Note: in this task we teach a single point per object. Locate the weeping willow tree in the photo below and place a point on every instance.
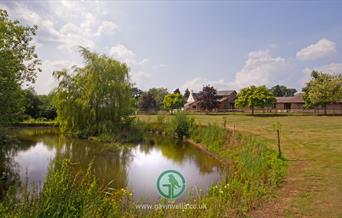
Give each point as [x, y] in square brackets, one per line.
[93, 99]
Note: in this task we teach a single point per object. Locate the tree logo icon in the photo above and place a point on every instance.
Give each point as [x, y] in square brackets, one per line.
[171, 184]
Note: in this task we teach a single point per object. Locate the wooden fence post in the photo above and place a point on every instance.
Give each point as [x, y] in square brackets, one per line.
[278, 137]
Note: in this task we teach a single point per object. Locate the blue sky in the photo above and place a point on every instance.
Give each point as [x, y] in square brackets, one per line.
[188, 44]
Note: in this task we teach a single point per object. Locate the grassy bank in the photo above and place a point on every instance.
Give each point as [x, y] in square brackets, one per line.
[32, 123]
[313, 146]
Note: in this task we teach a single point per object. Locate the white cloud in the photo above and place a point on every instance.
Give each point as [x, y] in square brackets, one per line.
[106, 27]
[45, 81]
[332, 68]
[69, 24]
[335, 68]
[140, 78]
[262, 69]
[73, 36]
[322, 48]
[197, 84]
[123, 54]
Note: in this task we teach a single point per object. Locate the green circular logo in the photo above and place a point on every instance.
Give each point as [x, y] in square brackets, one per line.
[171, 184]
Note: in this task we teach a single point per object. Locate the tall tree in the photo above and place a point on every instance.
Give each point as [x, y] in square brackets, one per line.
[136, 93]
[186, 94]
[46, 109]
[323, 89]
[158, 95]
[32, 103]
[94, 99]
[147, 102]
[253, 96]
[207, 98]
[282, 91]
[173, 101]
[176, 91]
[18, 65]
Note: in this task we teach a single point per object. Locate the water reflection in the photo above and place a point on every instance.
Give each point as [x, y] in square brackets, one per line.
[133, 167]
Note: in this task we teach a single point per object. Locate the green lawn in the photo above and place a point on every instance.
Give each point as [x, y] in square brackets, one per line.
[313, 145]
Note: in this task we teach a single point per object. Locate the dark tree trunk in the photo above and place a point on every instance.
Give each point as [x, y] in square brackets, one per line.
[252, 110]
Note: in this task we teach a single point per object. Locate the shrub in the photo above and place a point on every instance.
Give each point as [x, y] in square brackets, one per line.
[181, 125]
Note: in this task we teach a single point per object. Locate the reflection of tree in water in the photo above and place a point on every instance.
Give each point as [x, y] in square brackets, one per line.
[181, 151]
[108, 166]
[48, 136]
[9, 146]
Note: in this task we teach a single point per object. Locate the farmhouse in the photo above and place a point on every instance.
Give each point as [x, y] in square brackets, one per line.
[287, 104]
[225, 98]
[292, 104]
[296, 104]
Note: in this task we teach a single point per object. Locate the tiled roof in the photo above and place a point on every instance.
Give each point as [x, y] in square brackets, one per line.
[298, 98]
[225, 92]
[218, 93]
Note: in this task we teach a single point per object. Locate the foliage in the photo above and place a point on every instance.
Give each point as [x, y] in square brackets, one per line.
[158, 95]
[282, 91]
[46, 109]
[94, 99]
[147, 102]
[38, 106]
[177, 91]
[173, 101]
[212, 136]
[253, 96]
[181, 125]
[136, 93]
[186, 93]
[67, 194]
[207, 98]
[323, 89]
[18, 64]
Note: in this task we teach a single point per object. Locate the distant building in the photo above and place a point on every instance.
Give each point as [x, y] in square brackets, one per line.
[296, 104]
[290, 103]
[226, 101]
[293, 104]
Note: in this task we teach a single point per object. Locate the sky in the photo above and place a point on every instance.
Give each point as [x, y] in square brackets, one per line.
[188, 44]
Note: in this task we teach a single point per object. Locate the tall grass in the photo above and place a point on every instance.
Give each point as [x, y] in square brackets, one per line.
[211, 136]
[67, 194]
[256, 171]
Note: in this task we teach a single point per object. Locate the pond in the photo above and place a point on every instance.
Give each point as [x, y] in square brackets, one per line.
[135, 167]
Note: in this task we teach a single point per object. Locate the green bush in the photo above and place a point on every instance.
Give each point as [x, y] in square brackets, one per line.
[181, 125]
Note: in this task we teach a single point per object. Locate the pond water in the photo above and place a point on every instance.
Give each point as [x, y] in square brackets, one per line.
[135, 167]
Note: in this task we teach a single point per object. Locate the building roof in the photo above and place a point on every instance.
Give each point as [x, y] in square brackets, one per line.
[218, 93]
[225, 92]
[298, 98]
[222, 99]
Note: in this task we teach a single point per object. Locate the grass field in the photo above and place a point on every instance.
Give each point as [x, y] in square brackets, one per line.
[313, 147]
